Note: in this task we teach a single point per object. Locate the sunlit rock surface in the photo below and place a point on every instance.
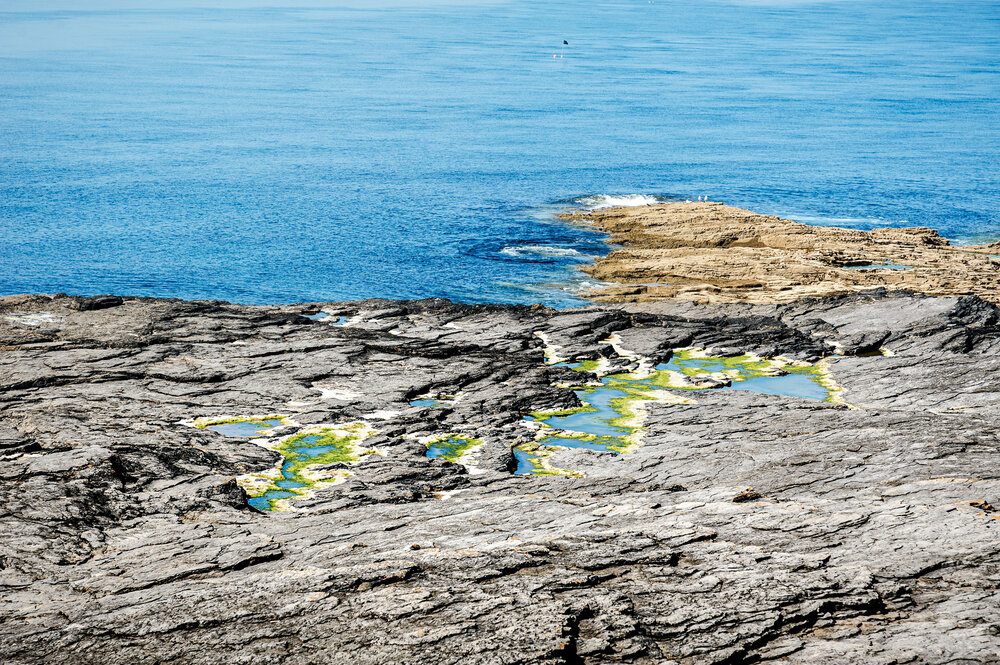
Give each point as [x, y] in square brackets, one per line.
[863, 530]
[713, 253]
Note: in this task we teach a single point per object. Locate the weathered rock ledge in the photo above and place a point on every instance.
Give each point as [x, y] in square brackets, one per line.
[709, 252]
[869, 537]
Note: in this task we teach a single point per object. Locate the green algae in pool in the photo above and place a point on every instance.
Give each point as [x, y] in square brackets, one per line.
[452, 447]
[246, 429]
[427, 402]
[528, 462]
[433, 401]
[607, 422]
[611, 416]
[531, 460]
[749, 373]
[298, 474]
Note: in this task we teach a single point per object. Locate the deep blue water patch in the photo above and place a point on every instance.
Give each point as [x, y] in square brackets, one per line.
[333, 151]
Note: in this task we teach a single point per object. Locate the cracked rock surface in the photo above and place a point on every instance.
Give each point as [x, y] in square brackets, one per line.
[714, 253]
[870, 535]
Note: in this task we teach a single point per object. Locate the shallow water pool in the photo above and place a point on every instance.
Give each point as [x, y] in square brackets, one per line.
[427, 402]
[245, 429]
[790, 385]
[453, 448]
[611, 413]
[303, 453]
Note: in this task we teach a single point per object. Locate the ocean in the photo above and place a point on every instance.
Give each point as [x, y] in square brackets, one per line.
[268, 152]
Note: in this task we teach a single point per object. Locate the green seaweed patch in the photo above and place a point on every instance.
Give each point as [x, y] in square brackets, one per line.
[299, 475]
[616, 443]
[558, 413]
[537, 456]
[343, 450]
[586, 366]
[262, 421]
[689, 365]
[452, 447]
[622, 376]
[689, 369]
[630, 416]
[688, 354]
[657, 379]
[823, 375]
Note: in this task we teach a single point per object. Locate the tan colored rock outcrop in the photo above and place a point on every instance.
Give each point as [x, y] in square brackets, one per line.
[711, 252]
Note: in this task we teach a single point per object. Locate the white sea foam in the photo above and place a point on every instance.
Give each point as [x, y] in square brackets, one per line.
[539, 250]
[615, 201]
[574, 286]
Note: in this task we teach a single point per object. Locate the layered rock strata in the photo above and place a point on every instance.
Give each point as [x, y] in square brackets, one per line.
[743, 528]
[713, 253]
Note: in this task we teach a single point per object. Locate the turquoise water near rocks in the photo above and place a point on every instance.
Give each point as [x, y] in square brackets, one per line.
[792, 384]
[603, 404]
[433, 403]
[304, 449]
[452, 448]
[246, 429]
[338, 150]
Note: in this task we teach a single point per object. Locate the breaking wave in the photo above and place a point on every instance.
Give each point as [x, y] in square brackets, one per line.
[534, 251]
[601, 201]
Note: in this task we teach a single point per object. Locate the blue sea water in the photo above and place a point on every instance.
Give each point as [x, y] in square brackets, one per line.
[411, 148]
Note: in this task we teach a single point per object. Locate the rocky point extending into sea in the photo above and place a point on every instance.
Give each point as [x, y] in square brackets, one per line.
[807, 480]
[710, 252]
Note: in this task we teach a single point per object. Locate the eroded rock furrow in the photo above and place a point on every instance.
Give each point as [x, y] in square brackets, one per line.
[443, 483]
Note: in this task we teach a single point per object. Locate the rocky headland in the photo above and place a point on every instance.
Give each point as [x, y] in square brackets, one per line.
[713, 253]
[425, 482]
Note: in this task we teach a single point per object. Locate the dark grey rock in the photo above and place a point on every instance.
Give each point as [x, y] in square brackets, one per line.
[124, 537]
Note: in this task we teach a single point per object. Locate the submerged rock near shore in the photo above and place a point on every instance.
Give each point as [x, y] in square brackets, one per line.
[426, 482]
[713, 253]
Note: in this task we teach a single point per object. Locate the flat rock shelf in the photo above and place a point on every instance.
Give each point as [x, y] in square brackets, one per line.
[713, 253]
[429, 483]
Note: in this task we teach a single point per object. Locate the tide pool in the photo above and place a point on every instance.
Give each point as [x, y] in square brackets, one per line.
[611, 417]
[312, 459]
[245, 429]
[455, 448]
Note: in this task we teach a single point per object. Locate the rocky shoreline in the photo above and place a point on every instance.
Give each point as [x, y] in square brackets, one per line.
[441, 520]
[713, 253]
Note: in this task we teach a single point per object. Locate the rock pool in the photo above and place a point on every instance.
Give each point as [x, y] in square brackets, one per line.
[315, 457]
[612, 414]
[452, 447]
[247, 429]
